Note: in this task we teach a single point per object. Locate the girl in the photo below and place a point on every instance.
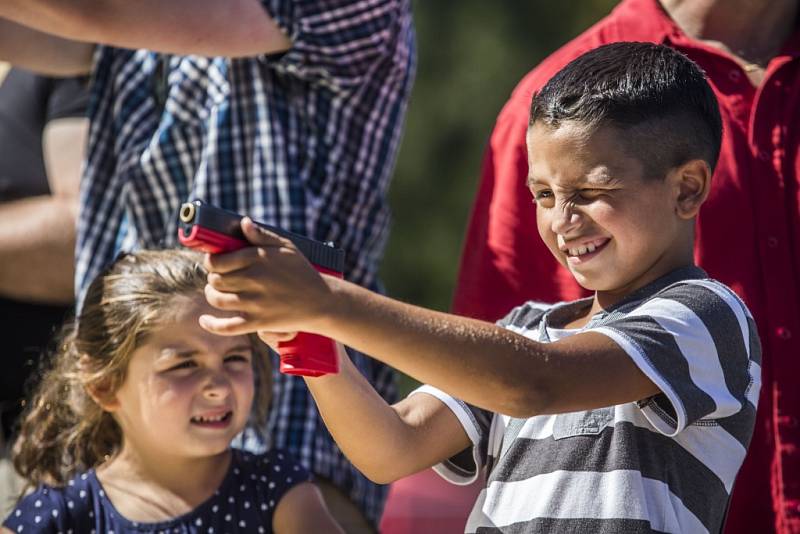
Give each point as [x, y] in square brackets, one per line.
[130, 429]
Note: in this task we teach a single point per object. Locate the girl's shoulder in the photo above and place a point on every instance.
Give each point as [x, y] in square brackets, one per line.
[69, 508]
[270, 474]
[246, 500]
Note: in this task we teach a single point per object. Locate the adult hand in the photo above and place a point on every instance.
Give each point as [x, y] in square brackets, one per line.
[271, 286]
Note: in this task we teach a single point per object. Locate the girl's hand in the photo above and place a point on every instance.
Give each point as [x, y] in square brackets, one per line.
[271, 285]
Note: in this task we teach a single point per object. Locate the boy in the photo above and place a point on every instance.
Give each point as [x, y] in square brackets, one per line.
[629, 411]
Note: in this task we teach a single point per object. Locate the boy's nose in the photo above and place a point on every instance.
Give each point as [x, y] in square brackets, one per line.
[565, 219]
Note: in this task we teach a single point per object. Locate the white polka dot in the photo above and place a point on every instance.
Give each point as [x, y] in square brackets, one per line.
[91, 513]
[82, 494]
[271, 503]
[253, 476]
[280, 456]
[19, 528]
[260, 530]
[271, 485]
[37, 519]
[236, 470]
[263, 478]
[83, 476]
[231, 500]
[242, 487]
[210, 530]
[227, 517]
[199, 522]
[263, 506]
[288, 480]
[102, 493]
[242, 524]
[296, 468]
[38, 503]
[70, 504]
[277, 468]
[18, 513]
[55, 513]
[247, 504]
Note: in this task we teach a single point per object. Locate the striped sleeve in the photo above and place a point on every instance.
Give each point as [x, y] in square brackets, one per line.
[697, 342]
[338, 42]
[476, 423]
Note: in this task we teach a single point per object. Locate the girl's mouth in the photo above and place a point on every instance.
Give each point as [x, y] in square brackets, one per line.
[213, 421]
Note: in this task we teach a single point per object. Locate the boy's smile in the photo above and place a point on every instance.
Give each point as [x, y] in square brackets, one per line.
[613, 228]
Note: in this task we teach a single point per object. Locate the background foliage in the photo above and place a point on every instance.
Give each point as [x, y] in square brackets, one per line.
[471, 54]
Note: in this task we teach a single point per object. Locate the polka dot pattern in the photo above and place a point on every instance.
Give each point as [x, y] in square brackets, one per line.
[244, 502]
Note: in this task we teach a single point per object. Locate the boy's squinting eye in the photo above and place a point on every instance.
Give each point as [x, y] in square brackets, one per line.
[544, 198]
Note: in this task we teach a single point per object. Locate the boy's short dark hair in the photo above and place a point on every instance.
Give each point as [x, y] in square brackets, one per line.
[657, 97]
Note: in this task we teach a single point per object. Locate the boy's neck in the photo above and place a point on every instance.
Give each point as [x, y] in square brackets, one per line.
[147, 488]
[751, 30]
[604, 300]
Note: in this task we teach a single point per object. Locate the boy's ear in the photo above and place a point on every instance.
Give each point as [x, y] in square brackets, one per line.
[101, 393]
[692, 182]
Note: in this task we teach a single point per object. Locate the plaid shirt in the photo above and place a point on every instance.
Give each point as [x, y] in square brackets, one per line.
[304, 140]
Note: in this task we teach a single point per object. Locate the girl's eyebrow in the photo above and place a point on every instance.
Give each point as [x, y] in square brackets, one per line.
[170, 352]
[246, 347]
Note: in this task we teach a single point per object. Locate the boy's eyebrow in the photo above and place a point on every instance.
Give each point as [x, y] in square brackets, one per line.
[601, 177]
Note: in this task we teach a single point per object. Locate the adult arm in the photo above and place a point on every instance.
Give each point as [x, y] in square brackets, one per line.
[199, 27]
[37, 234]
[275, 289]
[43, 53]
[302, 511]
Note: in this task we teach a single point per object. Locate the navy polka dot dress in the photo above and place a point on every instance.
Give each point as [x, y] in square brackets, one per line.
[244, 502]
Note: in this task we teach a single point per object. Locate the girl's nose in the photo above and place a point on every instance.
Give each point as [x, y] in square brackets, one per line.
[217, 386]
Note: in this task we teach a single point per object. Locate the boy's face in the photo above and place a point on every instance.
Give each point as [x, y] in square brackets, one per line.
[614, 229]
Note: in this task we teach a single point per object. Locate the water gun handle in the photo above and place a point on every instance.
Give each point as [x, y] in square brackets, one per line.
[210, 229]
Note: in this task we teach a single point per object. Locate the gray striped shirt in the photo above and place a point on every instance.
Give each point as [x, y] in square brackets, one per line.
[664, 464]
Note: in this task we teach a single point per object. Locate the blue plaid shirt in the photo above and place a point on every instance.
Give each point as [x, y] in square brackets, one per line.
[305, 140]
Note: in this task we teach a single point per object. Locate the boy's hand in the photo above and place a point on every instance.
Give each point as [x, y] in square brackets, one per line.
[271, 285]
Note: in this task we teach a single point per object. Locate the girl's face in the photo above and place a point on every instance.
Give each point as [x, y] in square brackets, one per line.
[187, 392]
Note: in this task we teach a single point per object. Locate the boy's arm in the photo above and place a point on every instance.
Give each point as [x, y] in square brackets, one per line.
[275, 289]
[385, 442]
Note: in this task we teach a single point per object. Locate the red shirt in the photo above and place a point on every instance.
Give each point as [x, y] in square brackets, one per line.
[748, 236]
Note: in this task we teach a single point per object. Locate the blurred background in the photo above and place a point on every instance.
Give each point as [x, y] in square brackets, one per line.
[471, 54]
